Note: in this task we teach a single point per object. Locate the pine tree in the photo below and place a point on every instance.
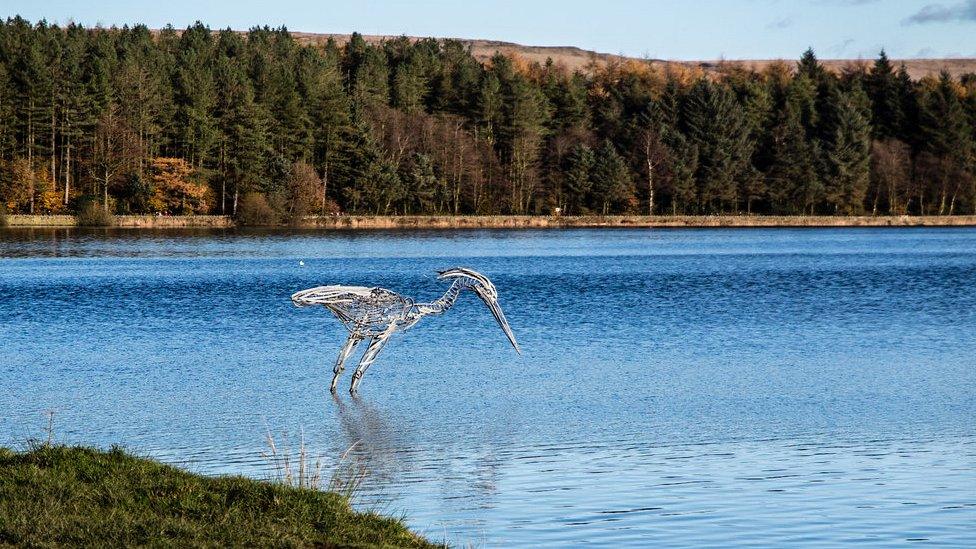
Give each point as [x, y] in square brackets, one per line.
[196, 96]
[410, 86]
[7, 136]
[669, 105]
[682, 166]
[846, 158]
[423, 183]
[33, 85]
[141, 91]
[716, 125]
[579, 168]
[457, 83]
[411, 68]
[887, 117]
[355, 160]
[570, 106]
[489, 107]
[757, 105]
[947, 142]
[908, 100]
[526, 113]
[368, 74]
[77, 106]
[612, 181]
[244, 144]
[278, 67]
[792, 181]
[811, 68]
[328, 111]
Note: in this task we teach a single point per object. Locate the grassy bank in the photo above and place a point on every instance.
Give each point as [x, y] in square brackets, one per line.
[70, 496]
[365, 222]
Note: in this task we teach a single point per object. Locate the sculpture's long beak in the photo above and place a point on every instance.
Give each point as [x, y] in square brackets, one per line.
[298, 298]
[496, 310]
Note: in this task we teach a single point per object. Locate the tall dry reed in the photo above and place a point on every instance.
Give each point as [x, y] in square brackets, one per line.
[303, 470]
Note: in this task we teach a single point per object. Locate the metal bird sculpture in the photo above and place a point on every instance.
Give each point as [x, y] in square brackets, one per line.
[377, 313]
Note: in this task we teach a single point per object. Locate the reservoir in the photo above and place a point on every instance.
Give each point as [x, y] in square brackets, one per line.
[678, 387]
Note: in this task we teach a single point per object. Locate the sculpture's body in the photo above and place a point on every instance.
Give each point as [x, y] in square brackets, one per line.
[376, 313]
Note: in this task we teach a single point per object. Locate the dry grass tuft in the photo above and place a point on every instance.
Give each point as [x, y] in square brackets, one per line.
[303, 470]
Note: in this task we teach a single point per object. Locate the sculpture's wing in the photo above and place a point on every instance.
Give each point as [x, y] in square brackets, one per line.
[355, 305]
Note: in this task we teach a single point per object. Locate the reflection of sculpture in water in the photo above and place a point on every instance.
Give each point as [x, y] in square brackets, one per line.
[392, 459]
[374, 443]
[377, 313]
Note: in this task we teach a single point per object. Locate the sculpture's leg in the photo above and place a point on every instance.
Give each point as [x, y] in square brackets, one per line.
[347, 350]
[375, 346]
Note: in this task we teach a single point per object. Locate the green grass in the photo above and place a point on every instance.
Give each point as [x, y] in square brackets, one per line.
[59, 495]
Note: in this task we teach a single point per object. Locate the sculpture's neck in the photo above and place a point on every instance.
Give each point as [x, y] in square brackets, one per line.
[446, 301]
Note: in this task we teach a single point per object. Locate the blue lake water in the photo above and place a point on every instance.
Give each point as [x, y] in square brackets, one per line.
[677, 387]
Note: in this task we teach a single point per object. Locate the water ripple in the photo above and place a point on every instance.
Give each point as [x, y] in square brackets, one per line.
[678, 388]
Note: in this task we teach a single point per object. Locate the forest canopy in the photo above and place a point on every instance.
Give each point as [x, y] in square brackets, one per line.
[198, 121]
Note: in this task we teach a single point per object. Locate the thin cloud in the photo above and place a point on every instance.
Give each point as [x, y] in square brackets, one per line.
[839, 49]
[941, 13]
[782, 23]
[845, 2]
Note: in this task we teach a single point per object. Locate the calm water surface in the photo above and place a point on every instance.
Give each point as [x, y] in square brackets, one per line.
[678, 387]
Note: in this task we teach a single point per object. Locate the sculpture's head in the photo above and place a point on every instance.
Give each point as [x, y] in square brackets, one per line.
[483, 288]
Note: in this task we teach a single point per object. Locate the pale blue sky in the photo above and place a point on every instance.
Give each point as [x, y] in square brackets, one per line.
[671, 30]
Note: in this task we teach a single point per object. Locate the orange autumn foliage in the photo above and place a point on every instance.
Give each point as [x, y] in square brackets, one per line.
[20, 182]
[175, 188]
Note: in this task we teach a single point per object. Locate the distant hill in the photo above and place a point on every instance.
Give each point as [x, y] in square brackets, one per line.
[574, 58]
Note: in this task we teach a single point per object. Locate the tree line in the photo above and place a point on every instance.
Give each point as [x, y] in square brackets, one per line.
[198, 121]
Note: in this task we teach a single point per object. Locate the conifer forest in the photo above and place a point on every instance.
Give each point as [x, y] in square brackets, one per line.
[189, 121]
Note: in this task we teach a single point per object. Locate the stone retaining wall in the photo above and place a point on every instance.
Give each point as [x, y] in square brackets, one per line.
[514, 221]
[127, 221]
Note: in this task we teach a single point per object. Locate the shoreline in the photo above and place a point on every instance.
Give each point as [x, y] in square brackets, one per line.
[68, 496]
[425, 222]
